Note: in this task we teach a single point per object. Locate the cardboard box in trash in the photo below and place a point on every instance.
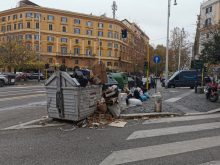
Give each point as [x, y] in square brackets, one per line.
[67, 100]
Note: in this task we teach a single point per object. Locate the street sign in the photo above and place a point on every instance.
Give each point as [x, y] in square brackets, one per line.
[156, 59]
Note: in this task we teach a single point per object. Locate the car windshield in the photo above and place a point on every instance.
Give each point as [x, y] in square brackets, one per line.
[174, 75]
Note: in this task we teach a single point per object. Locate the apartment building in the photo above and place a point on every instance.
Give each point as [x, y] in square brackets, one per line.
[75, 39]
[208, 21]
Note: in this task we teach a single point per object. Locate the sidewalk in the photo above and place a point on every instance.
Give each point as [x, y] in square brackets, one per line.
[29, 83]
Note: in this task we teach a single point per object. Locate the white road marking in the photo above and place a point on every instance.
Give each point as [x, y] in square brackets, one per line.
[172, 100]
[29, 105]
[184, 118]
[29, 124]
[212, 163]
[145, 153]
[173, 130]
[22, 97]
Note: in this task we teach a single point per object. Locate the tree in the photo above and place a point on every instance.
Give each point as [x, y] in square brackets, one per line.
[211, 49]
[161, 51]
[175, 40]
[17, 56]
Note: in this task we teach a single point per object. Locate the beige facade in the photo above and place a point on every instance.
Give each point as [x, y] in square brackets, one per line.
[208, 20]
[75, 39]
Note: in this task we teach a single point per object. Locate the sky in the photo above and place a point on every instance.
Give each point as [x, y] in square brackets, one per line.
[150, 15]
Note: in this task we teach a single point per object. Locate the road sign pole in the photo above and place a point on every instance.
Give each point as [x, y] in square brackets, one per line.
[156, 80]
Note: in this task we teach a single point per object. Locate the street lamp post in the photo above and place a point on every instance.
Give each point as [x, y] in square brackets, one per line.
[167, 47]
[39, 44]
[180, 47]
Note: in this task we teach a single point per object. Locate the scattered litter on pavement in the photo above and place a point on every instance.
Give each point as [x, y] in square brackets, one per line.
[68, 130]
[119, 124]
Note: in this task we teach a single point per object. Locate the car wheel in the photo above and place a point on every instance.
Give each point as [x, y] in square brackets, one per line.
[172, 86]
[192, 87]
[2, 83]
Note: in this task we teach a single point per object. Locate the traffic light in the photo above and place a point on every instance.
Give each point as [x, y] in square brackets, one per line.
[205, 69]
[47, 66]
[124, 33]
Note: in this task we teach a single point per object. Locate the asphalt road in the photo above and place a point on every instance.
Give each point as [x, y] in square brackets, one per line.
[190, 140]
[20, 104]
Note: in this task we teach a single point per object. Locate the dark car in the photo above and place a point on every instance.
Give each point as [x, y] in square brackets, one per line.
[10, 77]
[183, 78]
[34, 76]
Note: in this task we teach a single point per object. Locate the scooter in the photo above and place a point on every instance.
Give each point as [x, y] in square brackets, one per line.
[212, 91]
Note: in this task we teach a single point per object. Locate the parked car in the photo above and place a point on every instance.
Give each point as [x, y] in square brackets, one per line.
[21, 76]
[34, 76]
[7, 79]
[183, 78]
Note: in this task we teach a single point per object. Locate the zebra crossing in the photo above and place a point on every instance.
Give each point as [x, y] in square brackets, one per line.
[210, 122]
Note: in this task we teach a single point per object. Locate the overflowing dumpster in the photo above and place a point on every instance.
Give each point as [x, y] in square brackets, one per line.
[67, 100]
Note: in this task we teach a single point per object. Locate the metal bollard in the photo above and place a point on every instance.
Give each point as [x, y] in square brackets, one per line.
[158, 102]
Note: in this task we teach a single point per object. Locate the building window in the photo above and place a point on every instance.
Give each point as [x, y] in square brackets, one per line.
[115, 64]
[76, 31]
[89, 23]
[28, 25]
[37, 48]
[116, 46]
[63, 19]
[50, 26]
[100, 25]
[100, 43]
[29, 15]
[76, 51]
[208, 22]
[64, 28]
[89, 52]
[3, 29]
[64, 40]
[100, 52]
[28, 46]
[63, 49]
[20, 25]
[37, 15]
[50, 38]
[21, 15]
[89, 32]
[8, 27]
[100, 33]
[20, 37]
[37, 25]
[110, 44]
[76, 61]
[77, 21]
[3, 19]
[89, 42]
[116, 36]
[109, 63]
[50, 48]
[109, 53]
[110, 26]
[76, 41]
[14, 17]
[110, 34]
[50, 17]
[9, 17]
[36, 37]
[208, 10]
[28, 36]
[50, 60]
[15, 26]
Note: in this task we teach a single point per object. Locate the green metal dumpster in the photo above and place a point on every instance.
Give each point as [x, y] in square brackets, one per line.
[121, 78]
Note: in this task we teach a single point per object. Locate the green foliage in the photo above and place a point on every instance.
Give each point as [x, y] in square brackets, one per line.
[15, 55]
[211, 51]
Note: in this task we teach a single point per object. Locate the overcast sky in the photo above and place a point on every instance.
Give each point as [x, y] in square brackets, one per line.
[150, 15]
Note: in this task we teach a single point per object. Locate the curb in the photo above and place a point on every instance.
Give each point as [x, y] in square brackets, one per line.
[203, 113]
[140, 115]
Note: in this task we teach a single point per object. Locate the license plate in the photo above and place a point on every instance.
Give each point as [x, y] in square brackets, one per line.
[12, 80]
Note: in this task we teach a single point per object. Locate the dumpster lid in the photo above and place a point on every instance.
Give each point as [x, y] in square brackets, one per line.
[67, 80]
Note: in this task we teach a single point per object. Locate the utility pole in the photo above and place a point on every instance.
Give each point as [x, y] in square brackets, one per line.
[167, 47]
[180, 47]
[114, 9]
